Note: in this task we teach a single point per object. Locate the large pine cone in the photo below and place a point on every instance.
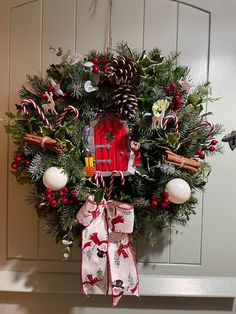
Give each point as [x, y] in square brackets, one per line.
[125, 101]
[122, 70]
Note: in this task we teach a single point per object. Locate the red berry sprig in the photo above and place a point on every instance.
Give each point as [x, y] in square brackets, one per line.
[163, 201]
[20, 162]
[176, 96]
[98, 64]
[210, 147]
[62, 197]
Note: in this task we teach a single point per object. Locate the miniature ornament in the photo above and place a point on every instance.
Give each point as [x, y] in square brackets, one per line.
[55, 178]
[231, 139]
[158, 109]
[89, 87]
[56, 88]
[179, 191]
[50, 105]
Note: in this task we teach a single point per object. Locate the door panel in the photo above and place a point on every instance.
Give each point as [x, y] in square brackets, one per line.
[34, 25]
[24, 57]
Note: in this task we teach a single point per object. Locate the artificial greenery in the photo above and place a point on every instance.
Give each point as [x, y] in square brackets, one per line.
[157, 80]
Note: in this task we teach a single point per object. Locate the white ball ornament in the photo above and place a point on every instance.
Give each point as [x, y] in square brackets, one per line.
[55, 178]
[179, 191]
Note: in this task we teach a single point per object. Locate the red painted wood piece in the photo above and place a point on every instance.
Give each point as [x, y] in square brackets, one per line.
[113, 133]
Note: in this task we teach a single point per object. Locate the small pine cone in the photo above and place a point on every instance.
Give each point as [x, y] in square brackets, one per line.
[125, 101]
[121, 70]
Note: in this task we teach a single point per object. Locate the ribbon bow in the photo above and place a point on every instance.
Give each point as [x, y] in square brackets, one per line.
[106, 248]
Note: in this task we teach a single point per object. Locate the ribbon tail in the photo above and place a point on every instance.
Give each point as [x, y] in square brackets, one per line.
[123, 269]
[94, 247]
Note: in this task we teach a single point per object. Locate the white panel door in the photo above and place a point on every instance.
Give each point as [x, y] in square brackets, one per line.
[206, 40]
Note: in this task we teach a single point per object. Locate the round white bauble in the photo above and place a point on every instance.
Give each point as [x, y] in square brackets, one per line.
[55, 178]
[179, 191]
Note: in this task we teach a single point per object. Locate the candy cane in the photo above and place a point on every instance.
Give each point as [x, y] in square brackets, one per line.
[168, 118]
[62, 115]
[25, 102]
[98, 176]
[112, 181]
[202, 125]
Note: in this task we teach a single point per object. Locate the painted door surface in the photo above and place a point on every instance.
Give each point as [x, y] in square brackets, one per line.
[111, 145]
[204, 32]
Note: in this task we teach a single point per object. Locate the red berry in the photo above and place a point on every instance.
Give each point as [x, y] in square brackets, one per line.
[27, 162]
[73, 194]
[14, 165]
[70, 201]
[214, 142]
[165, 194]
[204, 147]
[43, 96]
[75, 199]
[50, 89]
[199, 152]
[65, 189]
[95, 69]
[173, 86]
[164, 205]
[61, 193]
[48, 191]
[177, 98]
[211, 148]
[95, 60]
[166, 89]
[202, 156]
[154, 203]
[18, 158]
[48, 196]
[166, 201]
[64, 200]
[53, 202]
[177, 93]
[104, 60]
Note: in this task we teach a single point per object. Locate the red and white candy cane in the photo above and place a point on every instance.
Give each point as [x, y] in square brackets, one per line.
[203, 124]
[99, 177]
[62, 115]
[168, 118]
[112, 181]
[30, 102]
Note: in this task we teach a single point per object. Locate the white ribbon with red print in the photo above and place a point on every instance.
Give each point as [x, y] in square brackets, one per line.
[108, 259]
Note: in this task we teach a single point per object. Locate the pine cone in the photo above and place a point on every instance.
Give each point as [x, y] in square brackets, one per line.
[125, 101]
[122, 70]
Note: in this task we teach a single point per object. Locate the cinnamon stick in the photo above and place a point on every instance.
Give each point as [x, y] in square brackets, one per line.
[181, 162]
[46, 143]
[177, 165]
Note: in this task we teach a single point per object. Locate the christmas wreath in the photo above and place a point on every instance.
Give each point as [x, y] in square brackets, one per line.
[124, 131]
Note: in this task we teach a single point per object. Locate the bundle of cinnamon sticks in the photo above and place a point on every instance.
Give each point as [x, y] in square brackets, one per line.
[181, 162]
[46, 143]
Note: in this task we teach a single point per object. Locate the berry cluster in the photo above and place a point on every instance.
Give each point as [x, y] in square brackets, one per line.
[176, 96]
[163, 202]
[98, 65]
[210, 147]
[63, 196]
[20, 162]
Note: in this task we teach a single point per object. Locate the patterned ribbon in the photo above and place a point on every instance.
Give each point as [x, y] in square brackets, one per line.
[108, 259]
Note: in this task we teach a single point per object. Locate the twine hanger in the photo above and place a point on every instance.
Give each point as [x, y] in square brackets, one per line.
[93, 10]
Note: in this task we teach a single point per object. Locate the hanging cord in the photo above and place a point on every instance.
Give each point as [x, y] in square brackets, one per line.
[93, 9]
[109, 27]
